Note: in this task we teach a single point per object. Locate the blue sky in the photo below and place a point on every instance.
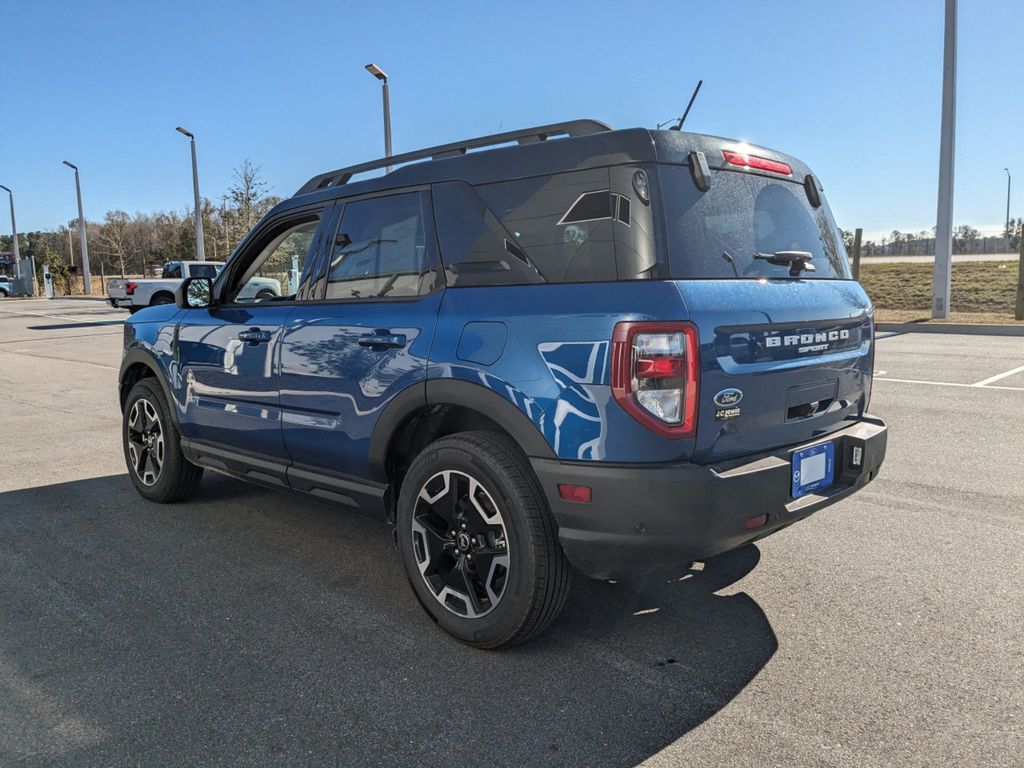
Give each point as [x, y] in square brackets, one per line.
[851, 88]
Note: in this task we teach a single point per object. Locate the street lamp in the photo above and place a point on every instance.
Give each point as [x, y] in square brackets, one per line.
[86, 276]
[200, 249]
[14, 231]
[381, 75]
[942, 269]
[1008, 179]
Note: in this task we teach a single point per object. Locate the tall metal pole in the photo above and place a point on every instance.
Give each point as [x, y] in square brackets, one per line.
[387, 122]
[381, 75]
[200, 247]
[14, 231]
[86, 276]
[1009, 178]
[942, 274]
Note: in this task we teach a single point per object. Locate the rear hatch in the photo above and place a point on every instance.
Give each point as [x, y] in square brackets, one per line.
[116, 288]
[785, 351]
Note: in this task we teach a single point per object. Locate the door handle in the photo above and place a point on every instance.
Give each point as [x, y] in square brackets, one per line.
[254, 336]
[382, 338]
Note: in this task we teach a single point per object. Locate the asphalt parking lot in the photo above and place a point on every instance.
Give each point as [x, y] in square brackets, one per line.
[254, 628]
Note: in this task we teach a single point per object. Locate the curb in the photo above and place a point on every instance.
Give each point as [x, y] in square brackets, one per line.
[977, 329]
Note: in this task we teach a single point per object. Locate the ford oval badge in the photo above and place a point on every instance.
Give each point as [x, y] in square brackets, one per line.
[728, 397]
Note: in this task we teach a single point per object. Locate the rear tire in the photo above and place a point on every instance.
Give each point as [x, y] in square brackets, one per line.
[161, 298]
[152, 447]
[478, 542]
[3, 293]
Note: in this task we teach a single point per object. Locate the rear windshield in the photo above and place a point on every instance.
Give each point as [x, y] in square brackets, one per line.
[719, 233]
[204, 270]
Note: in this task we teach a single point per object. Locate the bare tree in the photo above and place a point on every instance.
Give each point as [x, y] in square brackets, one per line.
[247, 195]
[115, 238]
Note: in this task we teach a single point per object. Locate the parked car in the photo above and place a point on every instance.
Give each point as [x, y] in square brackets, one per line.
[620, 350]
[134, 295]
[6, 287]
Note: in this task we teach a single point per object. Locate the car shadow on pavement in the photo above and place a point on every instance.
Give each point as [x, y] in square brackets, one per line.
[253, 627]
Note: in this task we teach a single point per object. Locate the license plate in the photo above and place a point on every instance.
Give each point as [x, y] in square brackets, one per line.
[813, 469]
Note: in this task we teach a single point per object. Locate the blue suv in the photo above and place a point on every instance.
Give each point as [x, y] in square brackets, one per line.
[620, 350]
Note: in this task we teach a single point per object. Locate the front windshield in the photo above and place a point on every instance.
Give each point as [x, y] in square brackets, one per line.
[719, 233]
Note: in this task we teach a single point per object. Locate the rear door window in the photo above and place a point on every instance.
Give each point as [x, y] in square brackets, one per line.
[719, 233]
[383, 249]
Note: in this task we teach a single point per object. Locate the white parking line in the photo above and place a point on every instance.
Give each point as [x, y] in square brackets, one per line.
[950, 384]
[998, 376]
[69, 316]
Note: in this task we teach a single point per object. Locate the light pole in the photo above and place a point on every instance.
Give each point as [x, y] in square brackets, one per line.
[86, 277]
[942, 271]
[200, 249]
[1009, 178]
[381, 75]
[14, 231]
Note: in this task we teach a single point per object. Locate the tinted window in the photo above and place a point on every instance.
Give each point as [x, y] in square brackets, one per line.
[172, 272]
[203, 270]
[589, 206]
[383, 249]
[475, 247]
[720, 232]
[581, 226]
[562, 222]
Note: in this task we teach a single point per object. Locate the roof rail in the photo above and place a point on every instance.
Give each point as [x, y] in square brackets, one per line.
[524, 136]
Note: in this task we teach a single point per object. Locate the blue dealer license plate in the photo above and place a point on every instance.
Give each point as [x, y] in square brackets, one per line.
[814, 469]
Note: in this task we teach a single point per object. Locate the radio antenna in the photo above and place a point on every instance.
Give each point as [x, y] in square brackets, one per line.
[682, 119]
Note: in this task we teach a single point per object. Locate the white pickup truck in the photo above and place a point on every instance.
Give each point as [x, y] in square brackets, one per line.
[134, 295]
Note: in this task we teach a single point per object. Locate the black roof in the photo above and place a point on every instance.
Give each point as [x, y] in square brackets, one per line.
[535, 151]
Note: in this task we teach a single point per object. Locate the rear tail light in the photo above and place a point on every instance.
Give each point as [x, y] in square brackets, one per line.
[743, 160]
[655, 375]
[130, 287]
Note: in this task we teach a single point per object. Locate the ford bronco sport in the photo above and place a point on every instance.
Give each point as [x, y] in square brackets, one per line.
[620, 350]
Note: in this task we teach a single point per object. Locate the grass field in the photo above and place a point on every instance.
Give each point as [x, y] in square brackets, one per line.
[984, 290]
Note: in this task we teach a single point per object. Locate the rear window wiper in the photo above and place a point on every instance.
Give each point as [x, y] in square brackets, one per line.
[797, 261]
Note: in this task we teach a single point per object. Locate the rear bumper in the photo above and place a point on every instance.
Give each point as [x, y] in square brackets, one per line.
[646, 517]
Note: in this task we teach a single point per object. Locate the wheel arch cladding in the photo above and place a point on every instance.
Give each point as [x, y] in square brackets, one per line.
[473, 404]
[136, 366]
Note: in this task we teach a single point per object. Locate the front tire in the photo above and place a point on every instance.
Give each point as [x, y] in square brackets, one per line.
[478, 542]
[152, 447]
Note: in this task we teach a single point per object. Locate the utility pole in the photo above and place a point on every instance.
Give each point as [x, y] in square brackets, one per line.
[1008, 179]
[14, 231]
[857, 235]
[942, 273]
[200, 248]
[86, 277]
[1018, 312]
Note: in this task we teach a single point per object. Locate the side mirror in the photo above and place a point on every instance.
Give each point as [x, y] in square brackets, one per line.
[194, 293]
